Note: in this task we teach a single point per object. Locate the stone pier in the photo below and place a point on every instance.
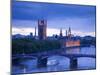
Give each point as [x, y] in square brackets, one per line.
[41, 62]
[73, 63]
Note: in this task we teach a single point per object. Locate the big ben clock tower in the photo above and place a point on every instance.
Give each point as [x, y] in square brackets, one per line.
[42, 26]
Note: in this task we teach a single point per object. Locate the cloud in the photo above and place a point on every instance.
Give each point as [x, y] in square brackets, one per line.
[78, 17]
[35, 10]
[50, 32]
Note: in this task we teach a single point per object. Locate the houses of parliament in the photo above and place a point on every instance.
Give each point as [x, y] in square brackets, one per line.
[66, 41]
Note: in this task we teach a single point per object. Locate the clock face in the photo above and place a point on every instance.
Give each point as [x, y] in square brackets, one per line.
[41, 22]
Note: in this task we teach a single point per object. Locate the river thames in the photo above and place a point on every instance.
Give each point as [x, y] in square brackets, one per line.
[58, 63]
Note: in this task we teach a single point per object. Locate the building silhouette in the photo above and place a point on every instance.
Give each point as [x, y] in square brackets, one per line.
[61, 33]
[69, 33]
[68, 40]
[66, 34]
[42, 29]
[31, 34]
[35, 32]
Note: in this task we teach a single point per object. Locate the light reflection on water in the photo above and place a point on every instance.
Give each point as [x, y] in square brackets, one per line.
[58, 63]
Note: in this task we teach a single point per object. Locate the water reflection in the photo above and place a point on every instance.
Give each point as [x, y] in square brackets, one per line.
[73, 50]
[56, 63]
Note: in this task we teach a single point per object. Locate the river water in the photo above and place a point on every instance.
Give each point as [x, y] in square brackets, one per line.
[58, 63]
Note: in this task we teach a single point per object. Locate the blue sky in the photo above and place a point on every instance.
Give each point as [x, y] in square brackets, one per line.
[80, 18]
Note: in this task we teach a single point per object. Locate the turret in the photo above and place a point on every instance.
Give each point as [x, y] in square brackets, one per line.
[61, 33]
[69, 33]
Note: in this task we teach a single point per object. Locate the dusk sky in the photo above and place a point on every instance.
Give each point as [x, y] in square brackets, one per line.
[80, 18]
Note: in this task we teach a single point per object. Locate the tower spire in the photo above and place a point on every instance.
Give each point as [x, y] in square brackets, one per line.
[35, 31]
[66, 33]
[69, 32]
[61, 32]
